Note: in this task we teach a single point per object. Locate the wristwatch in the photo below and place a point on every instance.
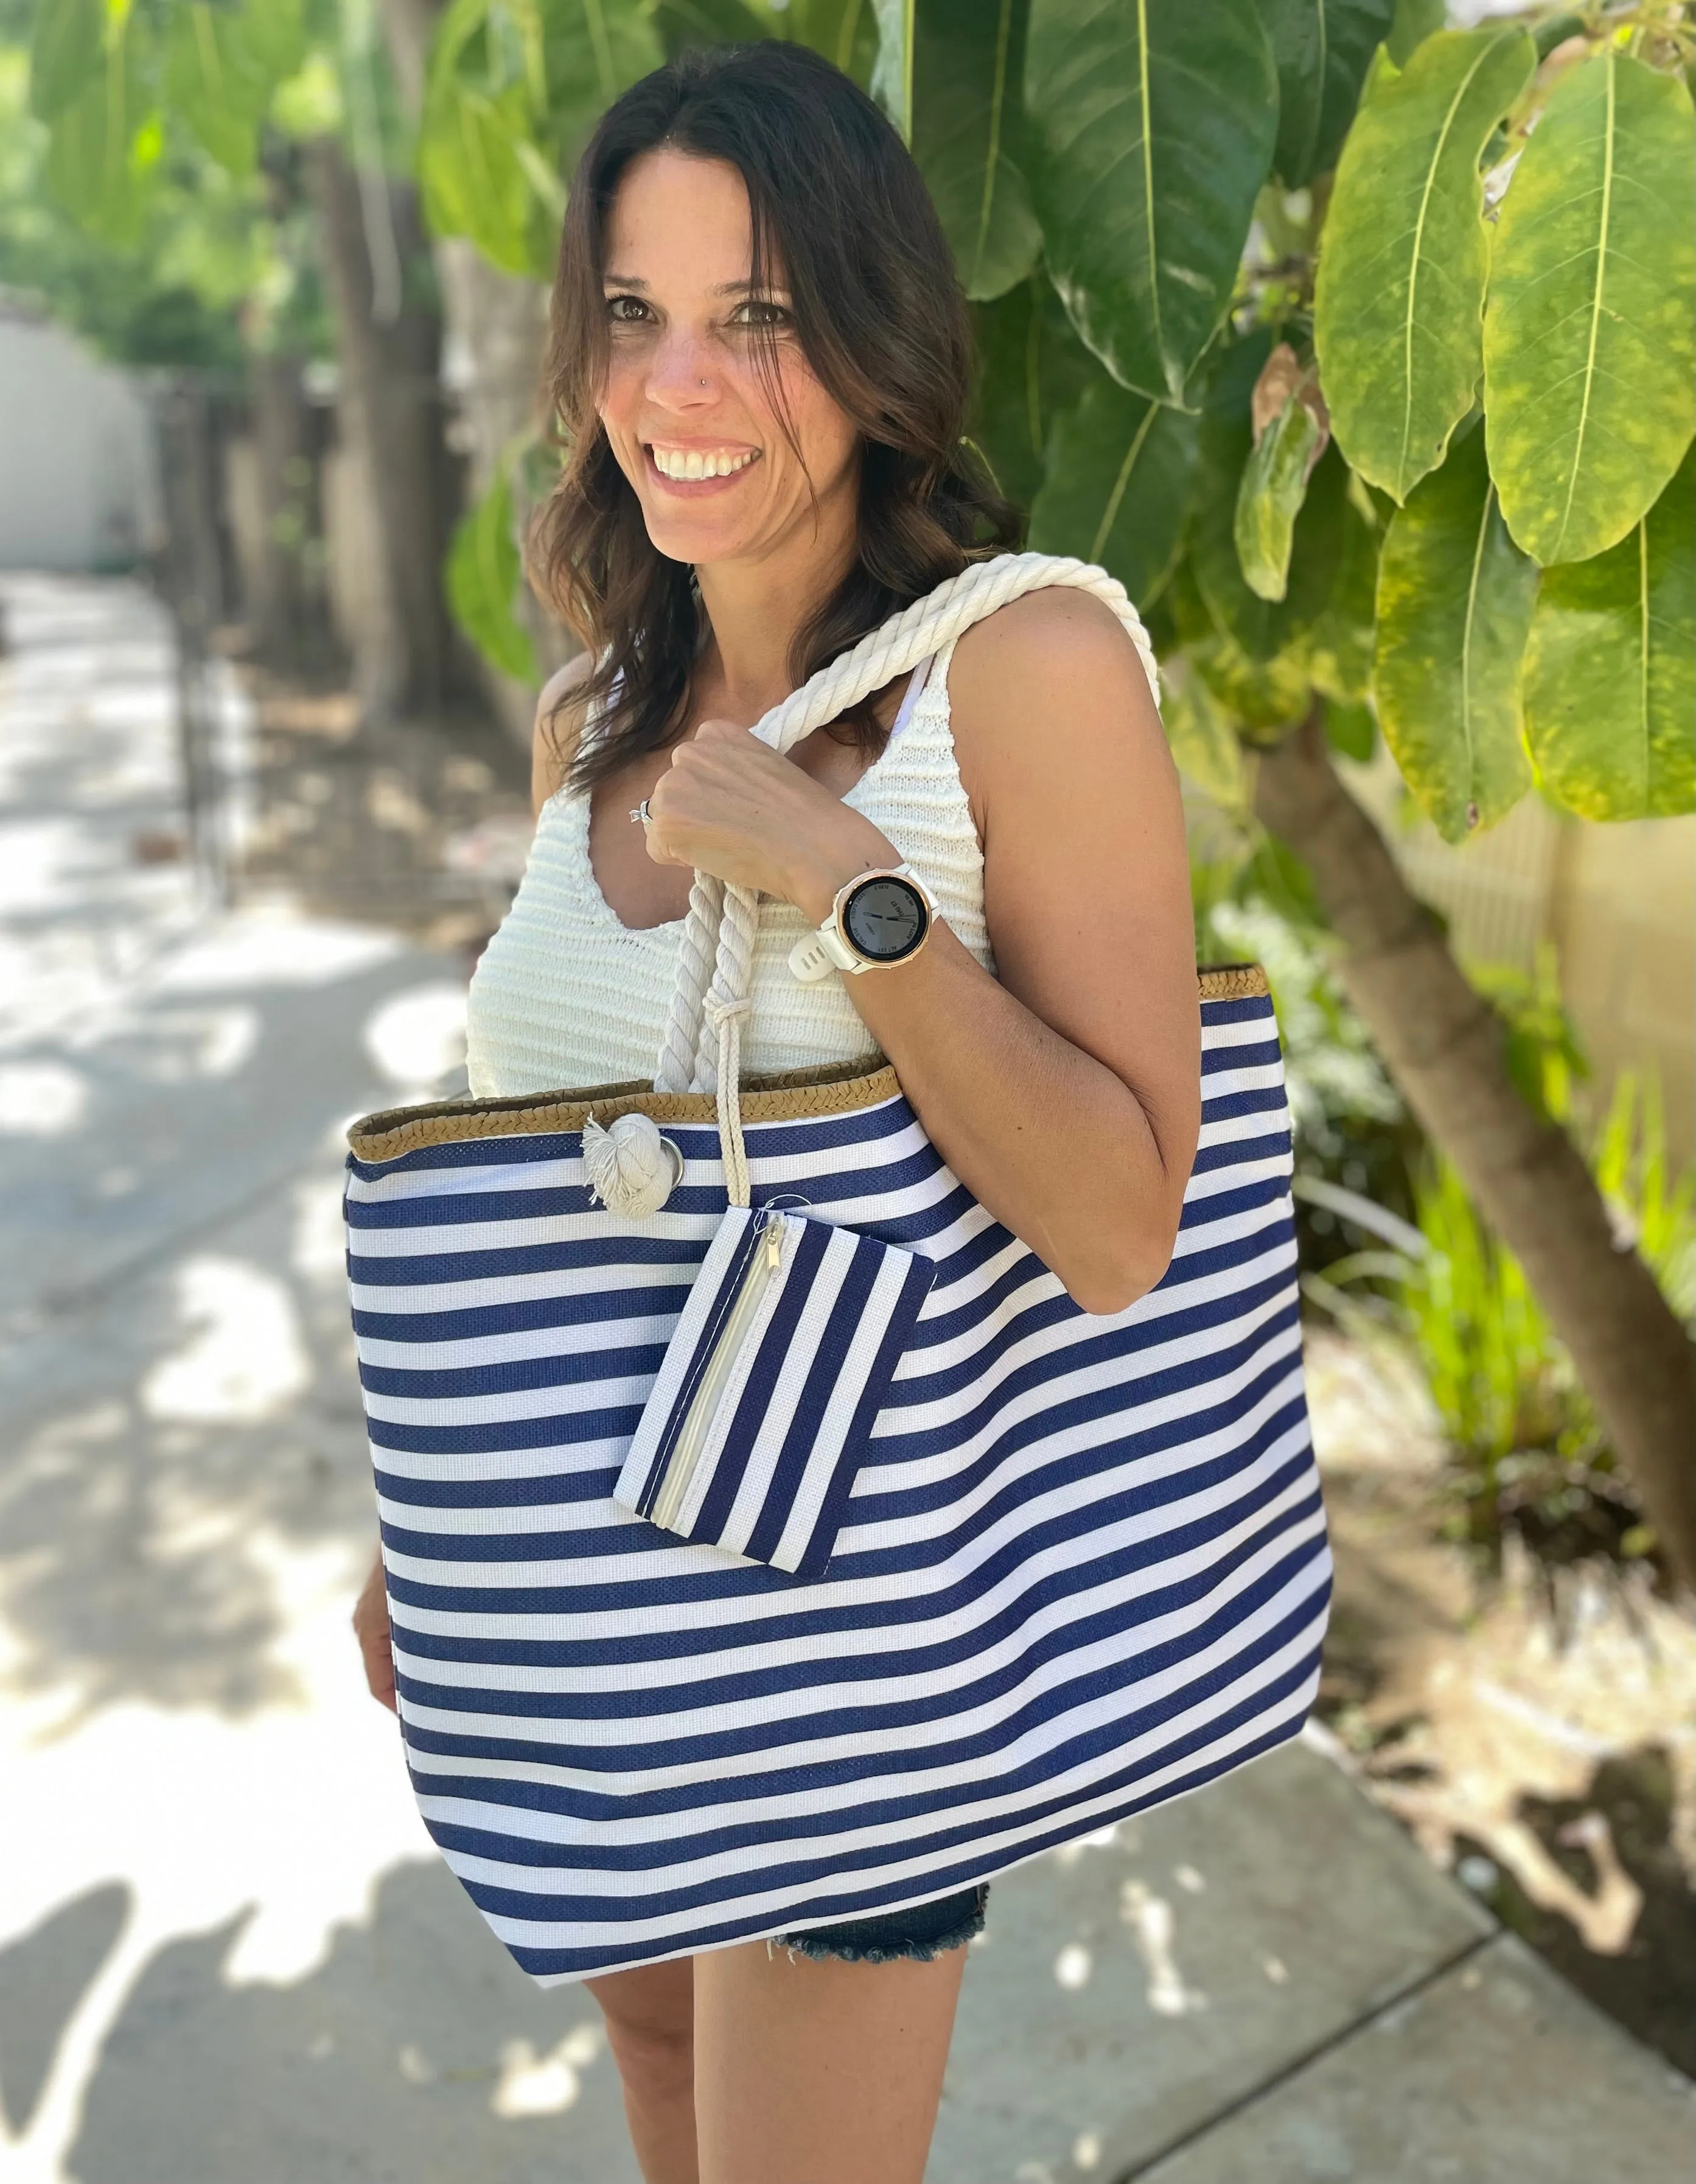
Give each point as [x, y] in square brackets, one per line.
[878, 919]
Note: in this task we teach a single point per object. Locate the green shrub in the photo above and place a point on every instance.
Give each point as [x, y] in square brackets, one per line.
[1527, 1453]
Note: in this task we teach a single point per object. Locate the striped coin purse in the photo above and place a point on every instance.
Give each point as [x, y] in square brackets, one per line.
[763, 1408]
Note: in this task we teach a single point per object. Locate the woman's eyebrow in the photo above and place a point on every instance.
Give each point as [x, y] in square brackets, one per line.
[723, 288]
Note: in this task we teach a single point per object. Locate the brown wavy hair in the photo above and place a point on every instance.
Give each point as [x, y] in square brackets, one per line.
[837, 202]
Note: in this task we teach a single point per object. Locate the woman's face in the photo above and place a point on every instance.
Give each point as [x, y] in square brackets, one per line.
[688, 415]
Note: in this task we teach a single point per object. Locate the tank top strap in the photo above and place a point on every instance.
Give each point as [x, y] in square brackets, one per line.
[909, 697]
[936, 678]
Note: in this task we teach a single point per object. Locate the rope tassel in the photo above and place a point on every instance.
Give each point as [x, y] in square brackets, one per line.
[631, 1168]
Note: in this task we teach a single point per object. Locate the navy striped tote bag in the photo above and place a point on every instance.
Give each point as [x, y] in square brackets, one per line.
[1037, 1570]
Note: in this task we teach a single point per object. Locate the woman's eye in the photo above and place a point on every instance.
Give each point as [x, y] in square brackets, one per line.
[626, 310]
[756, 312]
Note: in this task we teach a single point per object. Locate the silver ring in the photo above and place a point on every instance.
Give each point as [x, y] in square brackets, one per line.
[641, 814]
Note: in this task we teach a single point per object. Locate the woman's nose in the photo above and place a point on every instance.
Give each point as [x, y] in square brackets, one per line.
[681, 375]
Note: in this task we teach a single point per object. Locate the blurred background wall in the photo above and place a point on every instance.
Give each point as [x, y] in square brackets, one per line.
[78, 483]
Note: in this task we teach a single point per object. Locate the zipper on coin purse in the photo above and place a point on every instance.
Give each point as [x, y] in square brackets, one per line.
[765, 1262]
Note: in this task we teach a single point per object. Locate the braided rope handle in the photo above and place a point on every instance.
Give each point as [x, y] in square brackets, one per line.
[701, 1047]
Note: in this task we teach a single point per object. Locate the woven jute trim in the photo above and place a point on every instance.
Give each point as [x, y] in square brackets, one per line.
[795, 1095]
[1233, 981]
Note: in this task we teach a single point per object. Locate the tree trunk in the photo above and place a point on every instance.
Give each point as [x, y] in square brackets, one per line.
[497, 330]
[1444, 1046]
[389, 411]
[287, 612]
[497, 326]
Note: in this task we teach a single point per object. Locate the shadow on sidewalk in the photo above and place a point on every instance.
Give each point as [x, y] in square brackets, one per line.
[415, 2052]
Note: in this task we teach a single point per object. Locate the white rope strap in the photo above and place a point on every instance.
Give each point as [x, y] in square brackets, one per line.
[701, 1049]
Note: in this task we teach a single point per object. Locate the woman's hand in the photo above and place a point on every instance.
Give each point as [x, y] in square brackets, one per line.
[731, 806]
[371, 1629]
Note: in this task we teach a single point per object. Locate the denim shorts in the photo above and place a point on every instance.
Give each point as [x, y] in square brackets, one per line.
[921, 1931]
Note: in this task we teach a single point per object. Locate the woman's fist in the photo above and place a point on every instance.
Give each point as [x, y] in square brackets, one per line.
[730, 805]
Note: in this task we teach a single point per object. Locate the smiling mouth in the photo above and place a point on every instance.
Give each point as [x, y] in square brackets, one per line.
[688, 466]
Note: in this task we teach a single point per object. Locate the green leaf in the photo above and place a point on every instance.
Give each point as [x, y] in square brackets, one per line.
[64, 53]
[1204, 744]
[593, 50]
[1455, 603]
[1590, 330]
[1338, 644]
[1609, 685]
[891, 78]
[483, 172]
[968, 64]
[1322, 48]
[1399, 297]
[1269, 499]
[276, 34]
[1119, 469]
[685, 23]
[483, 577]
[104, 146]
[1262, 628]
[1260, 695]
[474, 183]
[1031, 365]
[1151, 131]
[845, 31]
[1413, 22]
[217, 80]
[1352, 730]
[310, 103]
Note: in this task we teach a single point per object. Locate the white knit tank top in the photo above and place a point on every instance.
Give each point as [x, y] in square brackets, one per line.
[566, 998]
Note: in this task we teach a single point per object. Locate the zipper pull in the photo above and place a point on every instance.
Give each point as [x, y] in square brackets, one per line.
[774, 1242]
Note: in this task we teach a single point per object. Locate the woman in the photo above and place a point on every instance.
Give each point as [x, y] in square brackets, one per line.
[760, 359]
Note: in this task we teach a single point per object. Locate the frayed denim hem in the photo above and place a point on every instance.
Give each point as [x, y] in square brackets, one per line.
[837, 1943]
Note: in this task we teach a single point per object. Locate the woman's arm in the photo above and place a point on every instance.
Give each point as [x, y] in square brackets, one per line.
[1066, 1093]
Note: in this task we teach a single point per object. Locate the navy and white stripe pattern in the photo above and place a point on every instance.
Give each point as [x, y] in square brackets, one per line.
[1082, 1569]
[793, 1421]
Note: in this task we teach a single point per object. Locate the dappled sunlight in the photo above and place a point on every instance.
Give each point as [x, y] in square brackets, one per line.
[1154, 1926]
[41, 1099]
[417, 1037]
[208, 1820]
[244, 1360]
[273, 945]
[40, 862]
[317, 1245]
[1073, 1966]
[544, 2084]
[176, 1046]
[1120, 1837]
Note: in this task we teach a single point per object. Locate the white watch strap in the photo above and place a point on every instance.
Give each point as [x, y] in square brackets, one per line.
[818, 953]
[825, 950]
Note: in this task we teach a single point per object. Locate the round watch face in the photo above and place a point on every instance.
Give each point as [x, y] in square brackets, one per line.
[886, 919]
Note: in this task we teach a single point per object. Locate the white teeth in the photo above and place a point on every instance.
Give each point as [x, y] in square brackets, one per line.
[691, 463]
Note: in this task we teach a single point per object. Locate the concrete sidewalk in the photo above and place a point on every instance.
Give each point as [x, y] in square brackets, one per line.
[228, 1954]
